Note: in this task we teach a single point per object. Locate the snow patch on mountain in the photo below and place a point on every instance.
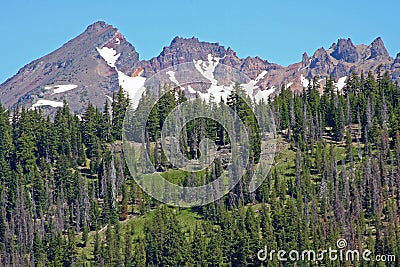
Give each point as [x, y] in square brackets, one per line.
[110, 98]
[109, 55]
[222, 92]
[261, 75]
[57, 89]
[304, 81]
[288, 85]
[264, 94]
[171, 76]
[341, 83]
[251, 85]
[43, 102]
[133, 86]
[215, 93]
[191, 90]
[207, 68]
[219, 92]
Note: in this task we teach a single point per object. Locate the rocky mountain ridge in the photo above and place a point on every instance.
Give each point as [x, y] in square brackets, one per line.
[93, 65]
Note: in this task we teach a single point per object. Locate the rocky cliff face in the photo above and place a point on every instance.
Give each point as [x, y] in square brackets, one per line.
[89, 67]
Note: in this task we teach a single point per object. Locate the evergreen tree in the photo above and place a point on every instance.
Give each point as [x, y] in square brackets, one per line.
[119, 106]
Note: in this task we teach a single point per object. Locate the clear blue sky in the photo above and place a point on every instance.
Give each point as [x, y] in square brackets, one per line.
[279, 31]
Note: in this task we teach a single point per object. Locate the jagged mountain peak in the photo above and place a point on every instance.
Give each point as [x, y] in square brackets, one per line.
[378, 49]
[97, 26]
[378, 41]
[255, 59]
[99, 60]
[230, 51]
[345, 41]
[342, 42]
[76, 66]
[343, 57]
[194, 44]
[345, 50]
[319, 52]
[182, 40]
[320, 61]
[182, 50]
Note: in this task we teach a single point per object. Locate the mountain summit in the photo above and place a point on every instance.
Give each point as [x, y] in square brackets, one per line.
[345, 50]
[93, 65]
[75, 72]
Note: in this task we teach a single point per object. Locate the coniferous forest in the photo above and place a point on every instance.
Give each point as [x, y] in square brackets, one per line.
[68, 198]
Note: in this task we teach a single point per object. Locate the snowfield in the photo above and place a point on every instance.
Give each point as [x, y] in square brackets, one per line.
[261, 75]
[171, 75]
[191, 90]
[133, 86]
[264, 94]
[207, 68]
[43, 102]
[109, 55]
[217, 93]
[251, 85]
[341, 83]
[304, 81]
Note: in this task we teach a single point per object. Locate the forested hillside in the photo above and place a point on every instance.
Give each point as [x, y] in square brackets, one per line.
[68, 198]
